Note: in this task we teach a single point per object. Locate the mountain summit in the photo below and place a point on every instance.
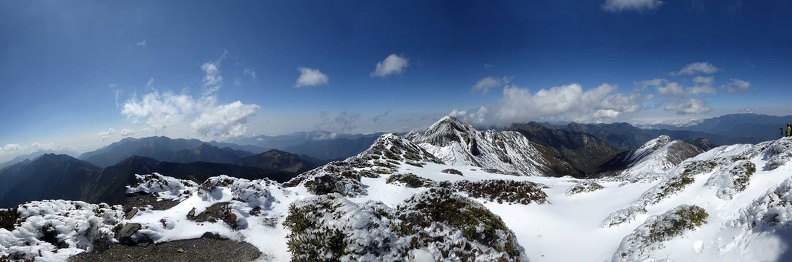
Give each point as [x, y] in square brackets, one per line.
[457, 143]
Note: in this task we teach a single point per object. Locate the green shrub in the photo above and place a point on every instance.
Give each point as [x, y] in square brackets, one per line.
[584, 187]
[410, 180]
[8, 218]
[518, 192]
[686, 217]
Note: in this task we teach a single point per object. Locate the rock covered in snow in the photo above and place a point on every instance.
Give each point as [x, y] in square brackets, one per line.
[52, 230]
[769, 212]
[163, 187]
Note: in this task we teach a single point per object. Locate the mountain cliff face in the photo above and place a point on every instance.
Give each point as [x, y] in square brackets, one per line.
[650, 161]
[583, 151]
[457, 143]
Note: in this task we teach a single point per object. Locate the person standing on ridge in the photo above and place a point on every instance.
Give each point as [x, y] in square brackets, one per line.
[789, 129]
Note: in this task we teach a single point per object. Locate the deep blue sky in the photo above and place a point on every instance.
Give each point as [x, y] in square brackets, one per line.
[68, 69]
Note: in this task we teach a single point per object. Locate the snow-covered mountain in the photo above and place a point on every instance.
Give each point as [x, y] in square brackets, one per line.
[652, 160]
[398, 202]
[506, 152]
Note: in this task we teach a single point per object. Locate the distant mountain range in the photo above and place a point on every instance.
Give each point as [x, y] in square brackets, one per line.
[318, 144]
[52, 176]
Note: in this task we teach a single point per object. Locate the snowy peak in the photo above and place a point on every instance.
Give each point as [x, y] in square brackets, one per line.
[457, 143]
[652, 160]
[447, 130]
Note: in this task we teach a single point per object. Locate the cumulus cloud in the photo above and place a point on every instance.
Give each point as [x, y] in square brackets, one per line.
[11, 148]
[311, 77]
[224, 120]
[698, 68]
[127, 132]
[392, 65]
[204, 114]
[106, 134]
[478, 116]
[159, 110]
[557, 103]
[688, 106]
[737, 86]
[606, 113]
[631, 5]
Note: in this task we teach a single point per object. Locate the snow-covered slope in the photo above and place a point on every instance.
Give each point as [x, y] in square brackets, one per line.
[652, 160]
[396, 202]
[507, 152]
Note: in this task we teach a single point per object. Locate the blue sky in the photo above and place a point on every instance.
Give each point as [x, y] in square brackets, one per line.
[79, 75]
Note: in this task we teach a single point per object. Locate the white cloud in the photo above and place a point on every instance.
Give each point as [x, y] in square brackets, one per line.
[688, 106]
[487, 83]
[127, 132]
[250, 72]
[606, 113]
[670, 89]
[106, 134]
[207, 117]
[342, 123]
[631, 5]
[392, 65]
[698, 68]
[224, 121]
[141, 43]
[46, 146]
[704, 80]
[652, 122]
[738, 86]
[160, 111]
[118, 93]
[557, 103]
[704, 89]
[487, 66]
[212, 79]
[650, 83]
[11, 148]
[478, 116]
[311, 77]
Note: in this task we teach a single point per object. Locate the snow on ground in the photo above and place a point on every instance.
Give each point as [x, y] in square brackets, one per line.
[747, 225]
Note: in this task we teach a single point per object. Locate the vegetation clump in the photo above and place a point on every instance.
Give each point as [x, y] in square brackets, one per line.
[410, 180]
[433, 216]
[677, 183]
[8, 218]
[583, 187]
[311, 240]
[675, 222]
[452, 171]
[742, 174]
[658, 229]
[509, 191]
[332, 228]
